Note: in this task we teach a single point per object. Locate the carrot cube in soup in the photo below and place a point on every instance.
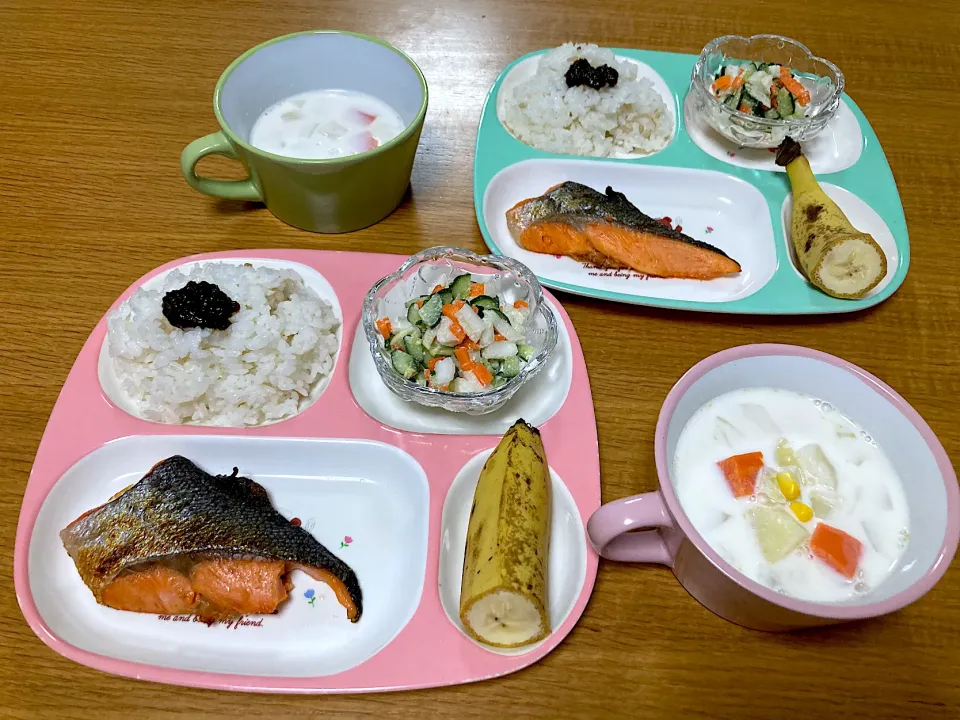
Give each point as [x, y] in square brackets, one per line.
[837, 549]
[741, 472]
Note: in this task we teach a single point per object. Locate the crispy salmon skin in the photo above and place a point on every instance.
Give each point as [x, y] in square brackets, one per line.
[608, 230]
[182, 541]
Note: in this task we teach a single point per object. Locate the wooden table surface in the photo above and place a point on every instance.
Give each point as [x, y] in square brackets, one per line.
[98, 99]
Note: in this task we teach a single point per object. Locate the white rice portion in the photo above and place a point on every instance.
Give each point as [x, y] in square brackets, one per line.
[262, 368]
[545, 113]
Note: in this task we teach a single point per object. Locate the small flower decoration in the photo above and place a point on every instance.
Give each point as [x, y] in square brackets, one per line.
[346, 541]
[311, 596]
[732, 154]
[709, 230]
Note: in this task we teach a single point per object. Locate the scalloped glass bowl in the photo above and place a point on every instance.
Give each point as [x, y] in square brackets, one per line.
[502, 276]
[821, 77]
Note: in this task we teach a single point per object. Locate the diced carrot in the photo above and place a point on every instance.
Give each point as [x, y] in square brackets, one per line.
[457, 331]
[741, 472]
[438, 287]
[469, 344]
[723, 82]
[444, 388]
[427, 374]
[451, 310]
[420, 303]
[518, 304]
[463, 356]
[836, 548]
[793, 85]
[498, 337]
[432, 364]
[744, 108]
[737, 81]
[482, 374]
[384, 326]
[476, 289]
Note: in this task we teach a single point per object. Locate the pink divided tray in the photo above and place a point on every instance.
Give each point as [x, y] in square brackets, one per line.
[311, 465]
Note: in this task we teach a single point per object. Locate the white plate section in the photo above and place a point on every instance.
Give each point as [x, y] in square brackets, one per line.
[526, 69]
[714, 207]
[863, 217]
[836, 148]
[536, 402]
[311, 278]
[566, 569]
[373, 496]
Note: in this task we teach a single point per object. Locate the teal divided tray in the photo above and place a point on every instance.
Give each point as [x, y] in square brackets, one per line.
[786, 292]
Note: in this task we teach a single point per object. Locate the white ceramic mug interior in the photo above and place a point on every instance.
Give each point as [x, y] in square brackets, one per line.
[303, 62]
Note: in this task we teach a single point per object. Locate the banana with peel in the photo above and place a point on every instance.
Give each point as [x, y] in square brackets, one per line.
[503, 596]
[834, 256]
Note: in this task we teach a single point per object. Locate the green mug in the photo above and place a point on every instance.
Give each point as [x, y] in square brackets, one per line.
[329, 195]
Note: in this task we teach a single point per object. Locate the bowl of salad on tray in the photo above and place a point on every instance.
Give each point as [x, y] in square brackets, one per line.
[457, 330]
[756, 91]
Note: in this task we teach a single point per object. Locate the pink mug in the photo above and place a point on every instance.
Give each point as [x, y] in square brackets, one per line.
[667, 536]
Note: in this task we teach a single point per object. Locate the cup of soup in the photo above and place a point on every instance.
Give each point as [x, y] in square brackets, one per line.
[327, 124]
[795, 490]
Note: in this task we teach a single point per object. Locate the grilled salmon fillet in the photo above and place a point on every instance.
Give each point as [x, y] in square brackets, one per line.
[607, 230]
[182, 541]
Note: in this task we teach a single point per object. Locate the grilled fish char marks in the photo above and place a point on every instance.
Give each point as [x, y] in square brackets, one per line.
[220, 536]
[608, 230]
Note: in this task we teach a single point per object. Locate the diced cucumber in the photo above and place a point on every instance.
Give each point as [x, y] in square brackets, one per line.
[495, 312]
[747, 102]
[486, 302]
[439, 350]
[499, 381]
[460, 287]
[421, 379]
[525, 351]
[413, 314]
[784, 102]
[432, 311]
[446, 296]
[416, 300]
[403, 364]
[396, 340]
[492, 365]
[749, 69]
[771, 114]
[414, 348]
[510, 367]
[732, 100]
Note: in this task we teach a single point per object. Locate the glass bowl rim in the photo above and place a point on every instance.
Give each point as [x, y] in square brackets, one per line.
[832, 103]
[499, 262]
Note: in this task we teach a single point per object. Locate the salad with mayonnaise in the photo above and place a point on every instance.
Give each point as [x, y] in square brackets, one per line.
[458, 338]
[762, 90]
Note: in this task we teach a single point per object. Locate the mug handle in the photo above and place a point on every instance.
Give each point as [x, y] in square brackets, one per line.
[216, 144]
[608, 529]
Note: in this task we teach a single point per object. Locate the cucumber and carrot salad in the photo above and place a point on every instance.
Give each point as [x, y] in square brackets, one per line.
[762, 90]
[458, 338]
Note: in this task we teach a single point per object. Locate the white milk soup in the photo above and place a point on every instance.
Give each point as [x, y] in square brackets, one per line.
[322, 124]
[792, 493]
